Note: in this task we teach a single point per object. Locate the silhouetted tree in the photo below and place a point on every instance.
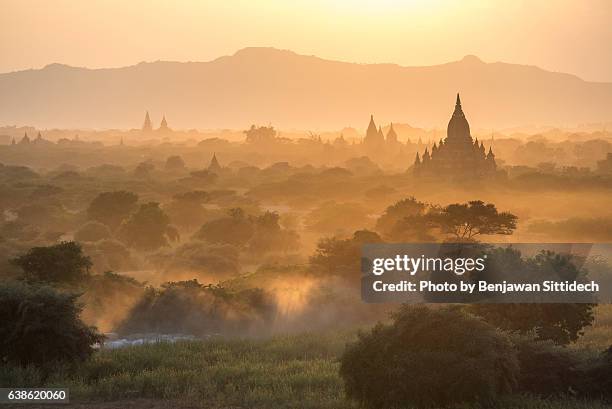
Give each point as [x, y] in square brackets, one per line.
[143, 170]
[342, 257]
[560, 323]
[465, 221]
[111, 208]
[63, 263]
[175, 163]
[186, 209]
[148, 229]
[406, 221]
[269, 236]
[449, 356]
[235, 229]
[260, 134]
[40, 326]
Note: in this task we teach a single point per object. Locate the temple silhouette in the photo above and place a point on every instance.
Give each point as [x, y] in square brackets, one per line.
[458, 155]
[375, 140]
[147, 126]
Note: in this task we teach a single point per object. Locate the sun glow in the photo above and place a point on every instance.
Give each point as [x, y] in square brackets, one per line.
[386, 7]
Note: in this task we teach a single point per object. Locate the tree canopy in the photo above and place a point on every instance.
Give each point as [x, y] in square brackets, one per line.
[149, 228]
[465, 221]
[63, 263]
[111, 208]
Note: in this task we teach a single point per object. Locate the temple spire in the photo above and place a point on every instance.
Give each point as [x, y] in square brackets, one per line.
[214, 164]
[163, 126]
[147, 126]
[458, 103]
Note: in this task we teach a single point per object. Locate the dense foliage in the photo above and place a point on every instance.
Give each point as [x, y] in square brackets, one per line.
[40, 325]
[189, 307]
[560, 322]
[63, 263]
[429, 357]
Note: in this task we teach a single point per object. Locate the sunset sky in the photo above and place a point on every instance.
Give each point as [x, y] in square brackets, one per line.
[567, 36]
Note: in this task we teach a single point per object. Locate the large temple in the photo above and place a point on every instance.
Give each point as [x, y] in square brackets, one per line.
[458, 155]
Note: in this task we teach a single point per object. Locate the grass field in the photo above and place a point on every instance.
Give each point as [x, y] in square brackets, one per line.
[298, 371]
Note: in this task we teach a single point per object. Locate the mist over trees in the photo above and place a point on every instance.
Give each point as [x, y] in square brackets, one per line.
[260, 233]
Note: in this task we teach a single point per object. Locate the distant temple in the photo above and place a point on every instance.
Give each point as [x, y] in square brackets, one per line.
[458, 155]
[25, 140]
[214, 166]
[375, 139]
[147, 126]
[163, 126]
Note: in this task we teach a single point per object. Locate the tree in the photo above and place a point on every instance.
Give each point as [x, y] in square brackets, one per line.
[189, 307]
[174, 163]
[560, 323]
[408, 221]
[260, 134]
[418, 228]
[111, 208]
[269, 236]
[463, 222]
[429, 358]
[342, 257]
[404, 208]
[40, 326]
[148, 229]
[186, 209]
[63, 263]
[235, 229]
[143, 170]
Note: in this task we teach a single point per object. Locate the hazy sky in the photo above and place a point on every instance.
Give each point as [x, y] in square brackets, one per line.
[559, 35]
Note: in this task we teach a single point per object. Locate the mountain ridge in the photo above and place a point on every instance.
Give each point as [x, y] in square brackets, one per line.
[268, 85]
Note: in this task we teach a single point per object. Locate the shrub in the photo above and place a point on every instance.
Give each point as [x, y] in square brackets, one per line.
[562, 323]
[546, 368]
[189, 307]
[597, 379]
[429, 357]
[40, 325]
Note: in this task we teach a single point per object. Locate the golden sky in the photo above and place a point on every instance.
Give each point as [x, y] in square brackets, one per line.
[558, 35]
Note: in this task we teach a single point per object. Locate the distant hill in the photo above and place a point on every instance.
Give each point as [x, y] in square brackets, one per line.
[266, 85]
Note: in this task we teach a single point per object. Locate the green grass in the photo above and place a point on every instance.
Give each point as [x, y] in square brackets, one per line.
[297, 371]
[282, 372]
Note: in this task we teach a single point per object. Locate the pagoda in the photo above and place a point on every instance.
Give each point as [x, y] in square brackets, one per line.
[458, 155]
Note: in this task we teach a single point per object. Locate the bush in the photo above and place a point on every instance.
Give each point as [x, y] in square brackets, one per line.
[40, 325]
[546, 369]
[597, 379]
[429, 357]
[188, 307]
[560, 323]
